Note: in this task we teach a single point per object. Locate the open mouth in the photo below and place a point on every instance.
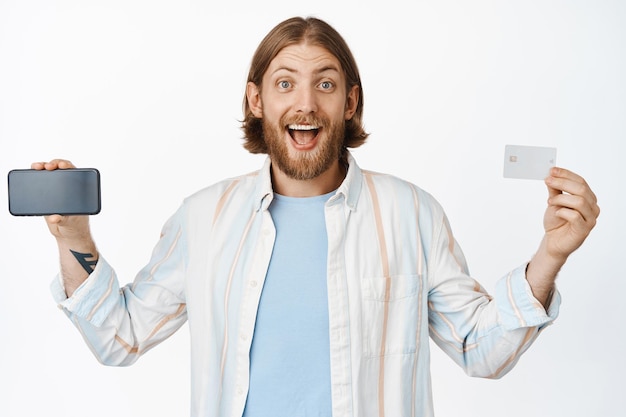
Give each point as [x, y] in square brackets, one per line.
[303, 134]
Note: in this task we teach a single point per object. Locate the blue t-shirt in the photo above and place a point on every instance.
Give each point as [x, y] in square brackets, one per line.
[290, 354]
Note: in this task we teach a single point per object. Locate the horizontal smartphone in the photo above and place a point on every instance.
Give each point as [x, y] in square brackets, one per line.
[528, 162]
[73, 191]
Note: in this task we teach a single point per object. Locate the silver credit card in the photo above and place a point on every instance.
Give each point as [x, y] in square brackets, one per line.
[528, 162]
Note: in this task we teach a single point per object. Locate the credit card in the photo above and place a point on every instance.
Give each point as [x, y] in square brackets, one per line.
[528, 162]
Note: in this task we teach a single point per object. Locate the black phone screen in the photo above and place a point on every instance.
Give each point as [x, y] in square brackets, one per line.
[62, 191]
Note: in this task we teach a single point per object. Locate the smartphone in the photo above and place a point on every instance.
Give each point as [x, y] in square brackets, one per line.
[73, 191]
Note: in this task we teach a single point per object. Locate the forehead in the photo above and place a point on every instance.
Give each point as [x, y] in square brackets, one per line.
[304, 57]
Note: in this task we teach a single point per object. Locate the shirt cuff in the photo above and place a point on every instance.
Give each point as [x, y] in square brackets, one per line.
[518, 307]
[94, 299]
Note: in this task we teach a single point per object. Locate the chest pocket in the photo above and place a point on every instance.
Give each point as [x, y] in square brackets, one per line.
[391, 314]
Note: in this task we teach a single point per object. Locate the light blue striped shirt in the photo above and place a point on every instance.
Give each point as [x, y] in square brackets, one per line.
[395, 275]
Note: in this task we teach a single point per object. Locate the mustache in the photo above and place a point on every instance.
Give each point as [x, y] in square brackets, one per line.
[302, 120]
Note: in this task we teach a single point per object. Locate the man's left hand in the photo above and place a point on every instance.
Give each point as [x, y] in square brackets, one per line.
[571, 214]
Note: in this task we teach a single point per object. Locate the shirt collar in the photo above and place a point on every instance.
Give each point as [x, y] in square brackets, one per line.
[351, 186]
[349, 190]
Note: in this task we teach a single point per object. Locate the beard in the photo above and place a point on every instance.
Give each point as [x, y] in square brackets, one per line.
[304, 165]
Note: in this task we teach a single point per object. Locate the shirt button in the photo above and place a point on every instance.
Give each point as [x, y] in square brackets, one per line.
[253, 284]
[239, 391]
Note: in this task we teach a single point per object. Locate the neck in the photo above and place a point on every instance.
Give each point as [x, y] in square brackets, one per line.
[328, 181]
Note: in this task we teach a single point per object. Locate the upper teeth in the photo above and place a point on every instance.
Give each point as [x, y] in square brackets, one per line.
[302, 127]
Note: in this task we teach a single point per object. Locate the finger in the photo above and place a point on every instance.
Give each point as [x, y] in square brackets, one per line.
[554, 180]
[588, 210]
[573, 187]
[54, 219]
[565, 173]
[569, 182]
[579, 224]
[37, 165]
[58, 164]
[552, 191]
[65, 164]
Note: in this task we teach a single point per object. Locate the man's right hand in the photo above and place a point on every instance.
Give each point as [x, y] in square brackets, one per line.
[77, 249]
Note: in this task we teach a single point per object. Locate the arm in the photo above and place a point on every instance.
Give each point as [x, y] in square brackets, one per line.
[484, 335]
[488, 336]
[569, 218]
[118, 324]
[77, 250]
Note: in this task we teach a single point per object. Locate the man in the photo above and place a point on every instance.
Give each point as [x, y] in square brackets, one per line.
[311, 286]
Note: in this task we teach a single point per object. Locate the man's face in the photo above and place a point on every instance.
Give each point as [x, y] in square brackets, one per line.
[304, 106]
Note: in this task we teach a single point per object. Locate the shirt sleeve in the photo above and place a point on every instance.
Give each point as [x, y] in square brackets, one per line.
[517, 306]
[485, 335]
[121, 323]
[94, 299]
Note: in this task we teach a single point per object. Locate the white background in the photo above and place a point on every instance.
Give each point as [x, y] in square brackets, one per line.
[150, 93]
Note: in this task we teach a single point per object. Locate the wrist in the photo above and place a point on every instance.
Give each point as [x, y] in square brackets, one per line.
[542, 271]
[549, 260]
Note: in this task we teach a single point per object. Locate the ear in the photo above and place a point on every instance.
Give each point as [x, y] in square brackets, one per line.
[352, 100]
[253, 95]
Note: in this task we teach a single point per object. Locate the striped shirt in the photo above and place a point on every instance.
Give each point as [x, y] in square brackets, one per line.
[395, 275]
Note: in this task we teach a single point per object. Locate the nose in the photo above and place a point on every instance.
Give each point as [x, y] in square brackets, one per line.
[306, 101]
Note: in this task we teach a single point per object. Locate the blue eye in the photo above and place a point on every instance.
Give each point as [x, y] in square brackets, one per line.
[326, 85]
[284, 84]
